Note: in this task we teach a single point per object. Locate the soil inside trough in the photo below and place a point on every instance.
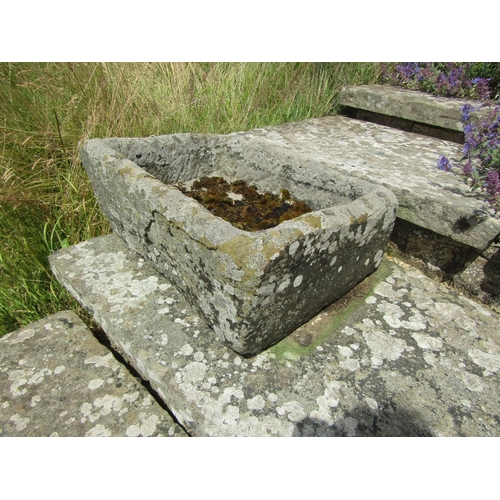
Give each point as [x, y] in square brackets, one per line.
[242, 205]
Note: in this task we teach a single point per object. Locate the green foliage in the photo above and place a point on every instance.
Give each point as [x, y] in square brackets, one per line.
[473, 80]
[48, 109]
[27, 289]
[490, 71]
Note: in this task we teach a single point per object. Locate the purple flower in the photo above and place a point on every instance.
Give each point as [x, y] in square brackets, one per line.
[427, 71]
[442, 84]
[482, 88]
[492, 183]
[467, 169]
[467, 129]
[466, 110]
[454, 77]
[444, 164]
[473, 140]
[408, 70]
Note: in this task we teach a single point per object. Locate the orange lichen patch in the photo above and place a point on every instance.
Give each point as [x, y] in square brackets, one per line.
[242, 205]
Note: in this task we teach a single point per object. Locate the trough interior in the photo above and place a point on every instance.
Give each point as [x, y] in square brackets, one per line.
[173, 162]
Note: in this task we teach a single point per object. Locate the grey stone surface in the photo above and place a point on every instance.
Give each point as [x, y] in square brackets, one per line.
[254, 288]
[400, 355]
[407, 104]
[481, 278]
[56, 379]
[403, 162]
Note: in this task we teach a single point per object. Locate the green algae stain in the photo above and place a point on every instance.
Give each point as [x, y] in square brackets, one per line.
[313, 220]
[308, 337]
[362, 219]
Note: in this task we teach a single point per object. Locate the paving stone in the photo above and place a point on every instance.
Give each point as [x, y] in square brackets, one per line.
[403, 162]
[407, 104]
[56, 379]
[400, 355]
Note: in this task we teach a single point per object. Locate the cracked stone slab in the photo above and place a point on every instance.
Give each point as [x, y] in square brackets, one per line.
[400, 355]
[56, 379]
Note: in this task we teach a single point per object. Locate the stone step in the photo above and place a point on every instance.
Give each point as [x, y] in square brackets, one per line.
[400, 355]
[409, 110]
[442, 227]
[403, 162]
[56, 379]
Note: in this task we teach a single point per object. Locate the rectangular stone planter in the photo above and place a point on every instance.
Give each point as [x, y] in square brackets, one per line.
[253, 288]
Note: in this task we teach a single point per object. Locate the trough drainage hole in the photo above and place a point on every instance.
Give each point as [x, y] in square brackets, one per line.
[242, 205]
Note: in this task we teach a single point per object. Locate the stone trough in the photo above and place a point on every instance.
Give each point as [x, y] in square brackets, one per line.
[253, 288]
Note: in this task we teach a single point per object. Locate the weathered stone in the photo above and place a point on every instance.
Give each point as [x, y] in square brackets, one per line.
[407, 104]
[481, 280]
[436, 256]
[400, 355]
[403, 162]
[56, 379]
[253, 288]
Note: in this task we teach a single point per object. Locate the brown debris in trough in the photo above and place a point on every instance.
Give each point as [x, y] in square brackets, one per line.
[242, 205]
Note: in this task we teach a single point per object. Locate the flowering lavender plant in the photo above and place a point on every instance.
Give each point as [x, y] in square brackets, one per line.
[446, 79]
[444, 164]
[481, 152]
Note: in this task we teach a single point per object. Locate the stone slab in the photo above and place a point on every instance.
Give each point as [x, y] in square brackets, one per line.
[56, 379]
[407, 125]
[407, 104]
[403, 162]
[400, 355]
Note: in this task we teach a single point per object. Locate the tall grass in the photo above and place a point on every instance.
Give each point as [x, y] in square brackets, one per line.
[47, 110]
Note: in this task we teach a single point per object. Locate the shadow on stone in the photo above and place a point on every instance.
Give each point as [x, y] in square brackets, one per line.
[436, 256]
[387, 421]
[491, 281]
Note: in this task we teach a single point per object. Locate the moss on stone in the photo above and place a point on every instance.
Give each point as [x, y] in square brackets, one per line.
[313, 220]
[304, 342]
